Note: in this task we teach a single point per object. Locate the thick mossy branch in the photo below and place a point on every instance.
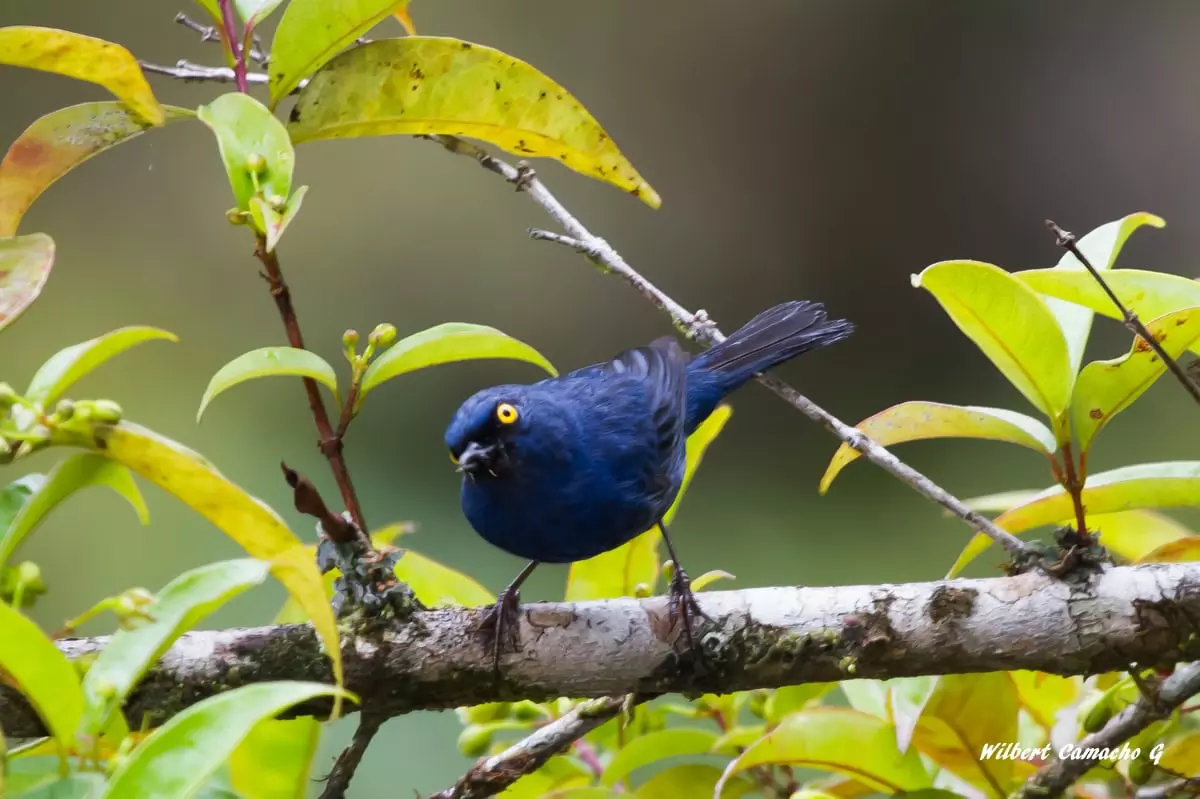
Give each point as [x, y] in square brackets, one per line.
[759, 638]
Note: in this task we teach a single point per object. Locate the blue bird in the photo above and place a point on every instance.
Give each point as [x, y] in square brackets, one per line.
[567, 468]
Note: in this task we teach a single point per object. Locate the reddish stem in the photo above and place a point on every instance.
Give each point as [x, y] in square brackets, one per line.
[234, 41]
[1074, 486]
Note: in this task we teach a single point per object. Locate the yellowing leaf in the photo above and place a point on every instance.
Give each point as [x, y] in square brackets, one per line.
[841, 740]
[288, 746]
[1011, 324]
[1044, 695]
[791, 698]
[620, 571]
[70, 475]
[916, 421]
[1148, 294]
[269, 362]
[446, 343]
[84, 58]
[998, 502]
[68, 365]
[1184, 549]
[25, 263]
[1171, 484]
[1136, 534]
[710, 577]
[311, 32]
[178, 607]
[179, 757]
[654, 747]
[41, 673]
[437, 585]
[420, 85]
[1101, 248]
[255, 147]
[248, 521]
[964, 712]
[1182, 754]
[1105, 388]
[57, 143]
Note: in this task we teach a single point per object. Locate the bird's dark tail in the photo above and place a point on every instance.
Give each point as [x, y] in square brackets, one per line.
[774, 336]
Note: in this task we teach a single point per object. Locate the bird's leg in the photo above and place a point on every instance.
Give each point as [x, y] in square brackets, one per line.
[502, 618]
[683, 601]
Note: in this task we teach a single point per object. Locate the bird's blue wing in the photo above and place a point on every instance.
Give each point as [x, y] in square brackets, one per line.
[659, 369]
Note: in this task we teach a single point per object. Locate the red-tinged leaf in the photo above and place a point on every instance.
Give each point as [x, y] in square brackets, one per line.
[57, 143]
[25, 263]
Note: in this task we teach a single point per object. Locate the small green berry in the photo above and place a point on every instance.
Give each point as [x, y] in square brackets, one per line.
[474, 740]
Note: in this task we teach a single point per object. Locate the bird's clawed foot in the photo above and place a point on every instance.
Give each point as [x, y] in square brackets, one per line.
[683, 605]
[502, 623]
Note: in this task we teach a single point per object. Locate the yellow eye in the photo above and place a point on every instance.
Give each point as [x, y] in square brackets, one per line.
[506, 413]
[453, 459]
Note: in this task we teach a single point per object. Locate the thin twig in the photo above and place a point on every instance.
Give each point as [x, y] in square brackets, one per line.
[338, 781]
[698, 326]
[189, 72]
[330, 444]
[1056, 776]
[208, 33]
[492, 775]
[1066, 240]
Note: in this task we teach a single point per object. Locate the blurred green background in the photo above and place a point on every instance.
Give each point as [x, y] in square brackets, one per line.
[803, 149]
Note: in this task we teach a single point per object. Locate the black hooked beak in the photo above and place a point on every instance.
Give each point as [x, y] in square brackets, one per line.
[475, 458]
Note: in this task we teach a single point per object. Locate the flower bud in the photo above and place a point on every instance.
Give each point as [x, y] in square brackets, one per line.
[256, 163]
[64, 410]
[7, 395]
[481, 714]
[106, 411]
[383, 335]
[474, 740]
[526, 710]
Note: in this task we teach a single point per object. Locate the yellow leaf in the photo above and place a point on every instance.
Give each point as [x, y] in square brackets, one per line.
[917, 421]
[248, 521]
[84, 58]
[430, 85]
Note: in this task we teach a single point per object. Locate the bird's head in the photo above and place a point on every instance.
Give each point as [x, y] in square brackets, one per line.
[482, 433]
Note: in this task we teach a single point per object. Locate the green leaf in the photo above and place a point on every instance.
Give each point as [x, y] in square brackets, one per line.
[83, 785]
[1011, 324]
[25, 263]
[255, 146]
[269, 362]
[1148, 294]
[248, 521]
[1105, 388]
[439, 585]
[68, 476]
[737, 739]
[998, 502]
[1171, 484]
[288, 746]
[1182, 754]
[179, 606]
[916, 421]
[57, 143]
[68, 365]
[311, 32]
[180, 756]
[273, 221]
[425, 85]
[1101, 248]
[790, 698]
[14, 496]
[691, 780]
[253, 12]
[905, 702]
[620, 571]
[964, 712]
[656, 746]
[866, 696]
[41, 673]
[841, 740]
[84, 58]
[446, 343]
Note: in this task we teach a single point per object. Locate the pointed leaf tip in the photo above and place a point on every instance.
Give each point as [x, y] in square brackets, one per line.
[269, 362]
[426, 85]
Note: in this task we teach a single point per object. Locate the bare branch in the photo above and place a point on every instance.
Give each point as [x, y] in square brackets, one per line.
[338, 781]
[1056, 776]
[699, 327]
[197, 73]
[209, 33]
[491, 775]
[758, 638]
[1066, 240]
